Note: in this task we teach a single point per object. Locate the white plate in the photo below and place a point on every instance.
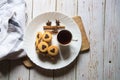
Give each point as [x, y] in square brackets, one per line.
[66, 54]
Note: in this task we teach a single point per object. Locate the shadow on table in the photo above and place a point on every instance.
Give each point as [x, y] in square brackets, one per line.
[4, 67]
[7, 66]
[60, 72]
[70, 68]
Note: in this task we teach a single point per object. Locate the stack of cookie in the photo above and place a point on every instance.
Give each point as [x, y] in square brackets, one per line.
[43, 44]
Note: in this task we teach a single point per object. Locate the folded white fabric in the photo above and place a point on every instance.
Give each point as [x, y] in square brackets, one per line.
[12, 24]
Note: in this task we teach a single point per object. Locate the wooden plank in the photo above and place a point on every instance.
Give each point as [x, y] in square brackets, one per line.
[18, 71]
[67, 73]
[68, 7]
[112, 40]
[4, 70]
[41, 6]
[83, 59]
[41, 74]
[90, 65]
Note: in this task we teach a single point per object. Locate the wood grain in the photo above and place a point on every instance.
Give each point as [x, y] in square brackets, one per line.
[68, 7]
[18, 71]
[90, 65]
[112, 40]
[83, 59]
[42, 6]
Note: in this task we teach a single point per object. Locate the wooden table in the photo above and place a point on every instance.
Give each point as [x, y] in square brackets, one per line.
[101, 19]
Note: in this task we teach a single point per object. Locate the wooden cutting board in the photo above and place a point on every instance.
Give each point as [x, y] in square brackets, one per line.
[85, 43]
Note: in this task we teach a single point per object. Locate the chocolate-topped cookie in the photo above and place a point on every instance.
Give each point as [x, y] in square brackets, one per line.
[43, 46]
[47, 37]
[53, 50]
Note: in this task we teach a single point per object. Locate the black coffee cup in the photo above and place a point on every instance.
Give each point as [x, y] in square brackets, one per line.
[64, 37]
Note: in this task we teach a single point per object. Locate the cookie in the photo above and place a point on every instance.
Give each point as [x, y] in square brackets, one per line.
[53, 50]
[39, 35]
[37, 42]
[43, 46]
[47, 37]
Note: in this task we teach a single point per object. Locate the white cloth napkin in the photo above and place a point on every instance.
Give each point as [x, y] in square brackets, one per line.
[12, 24]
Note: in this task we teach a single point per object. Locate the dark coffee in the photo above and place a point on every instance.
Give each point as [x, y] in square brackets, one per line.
[64, 37]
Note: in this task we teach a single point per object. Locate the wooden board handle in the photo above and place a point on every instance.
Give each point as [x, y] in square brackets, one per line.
[85, 43]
